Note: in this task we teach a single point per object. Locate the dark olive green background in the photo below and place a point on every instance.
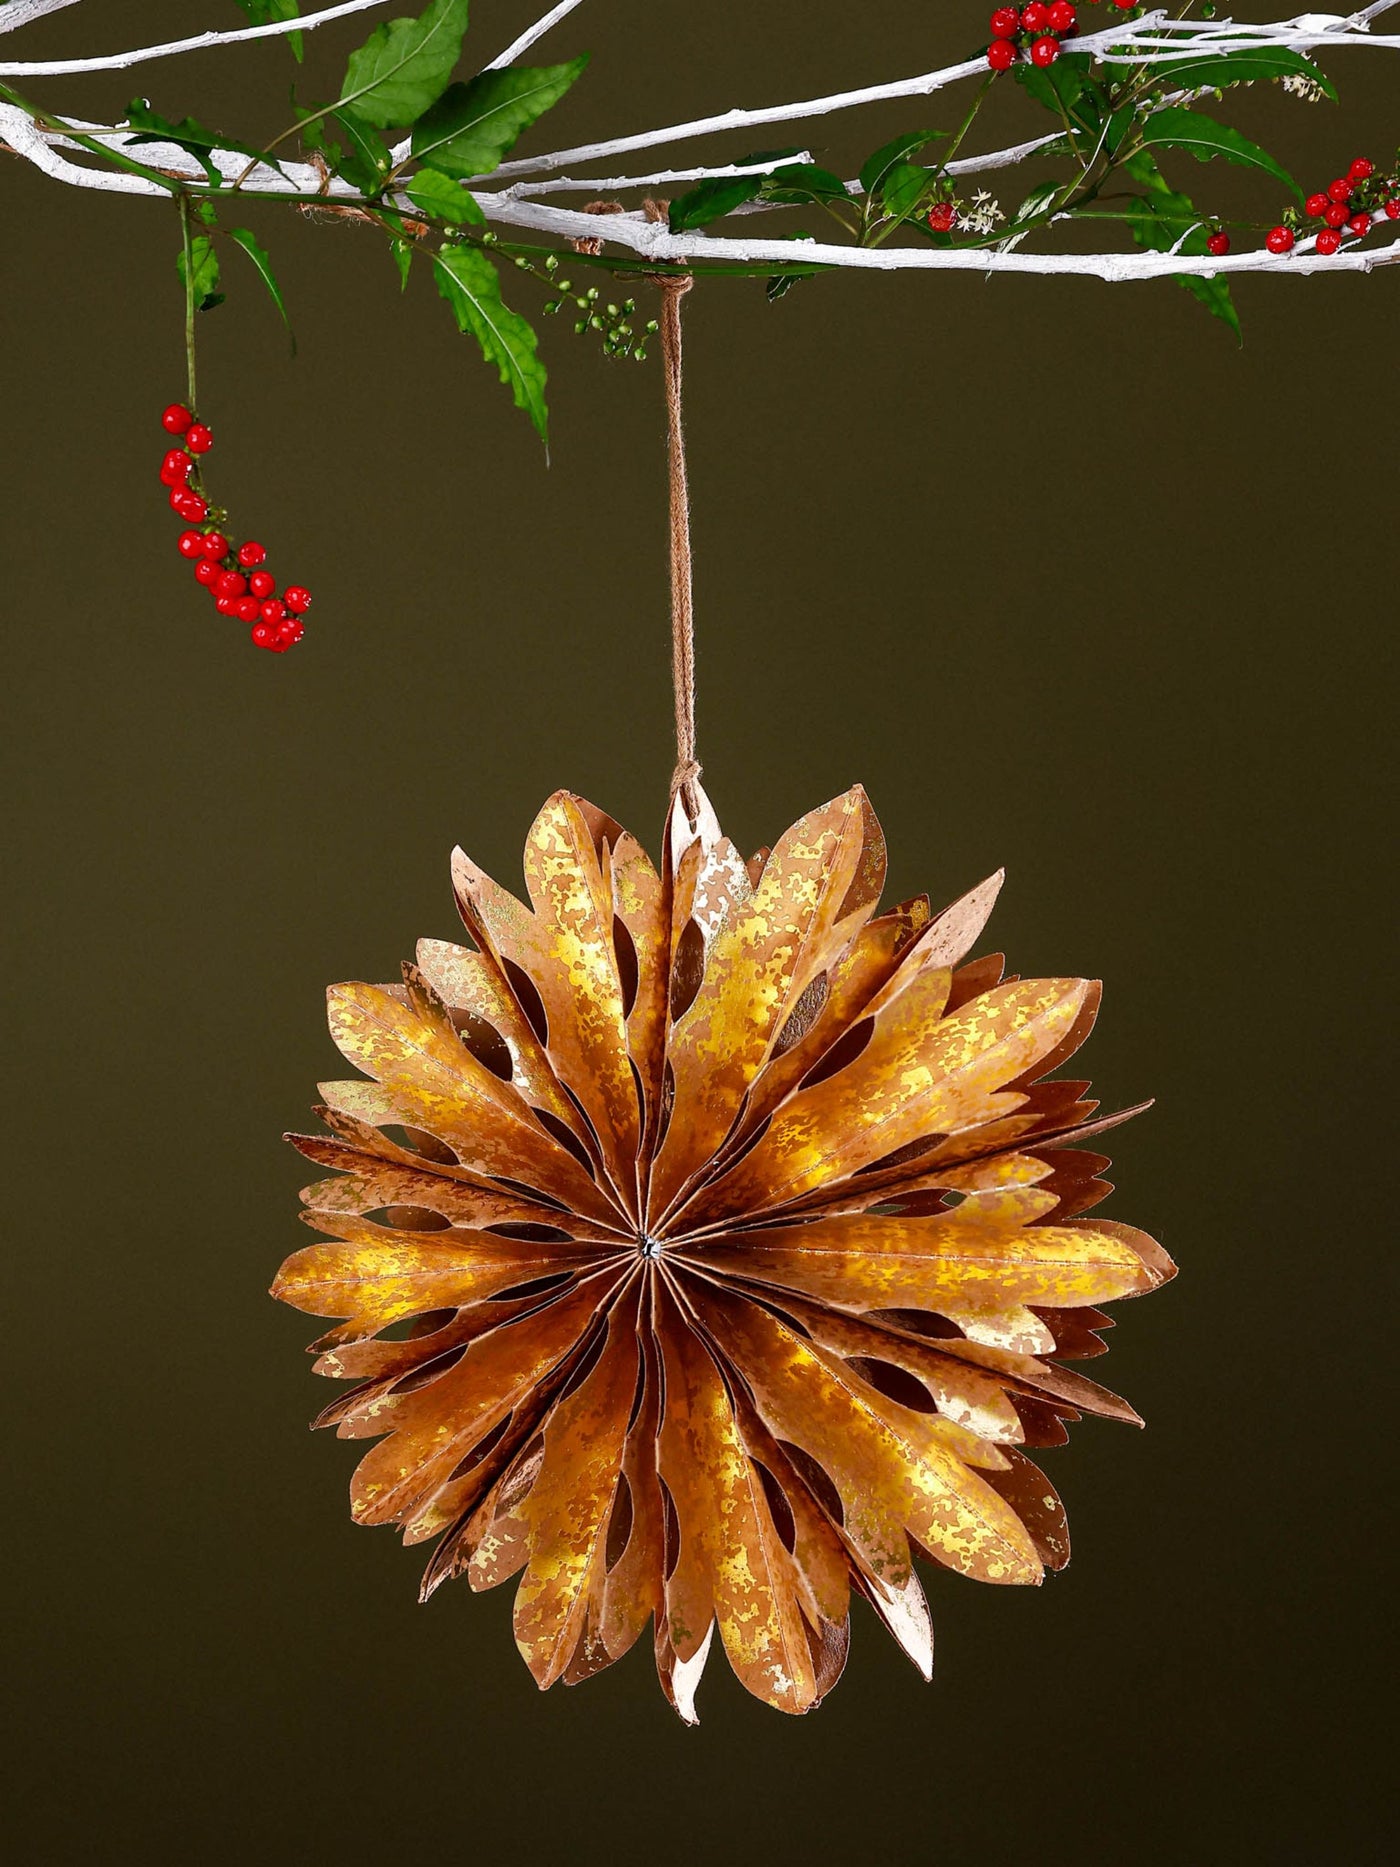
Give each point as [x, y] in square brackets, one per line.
[1070, 583]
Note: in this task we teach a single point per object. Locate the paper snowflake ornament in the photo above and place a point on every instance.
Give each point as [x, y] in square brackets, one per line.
[708, 1245]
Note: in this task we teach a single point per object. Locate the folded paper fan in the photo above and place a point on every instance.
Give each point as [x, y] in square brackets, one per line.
[708, 1245]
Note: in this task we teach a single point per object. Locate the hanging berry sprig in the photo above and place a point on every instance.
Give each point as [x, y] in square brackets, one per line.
[235, 575]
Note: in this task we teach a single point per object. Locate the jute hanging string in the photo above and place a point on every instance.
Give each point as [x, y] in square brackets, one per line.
[673, 287]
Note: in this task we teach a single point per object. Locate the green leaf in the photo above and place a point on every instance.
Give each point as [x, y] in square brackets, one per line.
[471, 285]
[720, 195]
[1056, 86]
[1176, 128]
[368, 168]
[1036, 202]
[1157, 221]
[187, 134]
[1229, 68]
[798, 183]
[314, 121]
[471, 127]
[441, 198]
[876, 167]
[902, 187]
[1067, 89]
[204, 265]
[253, 247]
[403, 68]
[400, 245]
[264, 12]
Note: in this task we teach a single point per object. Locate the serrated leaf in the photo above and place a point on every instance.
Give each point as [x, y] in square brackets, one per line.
[265, 12]
[255, 250]
[876, 167]
[204, 269]
[1228, 68]
[1158, 219]
[471, 285]
[720, 195]
[441, 198]
[404, 66]
[1203, 137]
[472, 125]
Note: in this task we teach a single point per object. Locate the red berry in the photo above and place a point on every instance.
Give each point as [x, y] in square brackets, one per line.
[249, 609]
[1218, 245]
[199, 439]
[231, 585]
[942, 218]
[272, 610]
[1328, 241]
[189, 505]
[1317, 205]
[1360, 225]
[1035, 17]
[1361, 170]
[264, 635]
[1125, 6]
[1001, 55]
[226, 606]
[1279, 240]
[176, 418]
[1045, 51]
[1339, 190]
[290, 631]
[1336, 215]
[262, 583]
[297, 598]
[1063, 17]
[206, 571]
[215, 545]
[1392, 208]
[1006, 23]
[251, 555]
[190, 545]
[175, 468]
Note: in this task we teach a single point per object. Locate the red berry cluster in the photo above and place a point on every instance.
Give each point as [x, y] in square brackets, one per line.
[1036, 29]
[234, 575]
[1349, 204]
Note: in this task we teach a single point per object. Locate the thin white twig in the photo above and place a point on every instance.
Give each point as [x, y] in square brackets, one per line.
[120, 61]
[620, 184]
[537, 31]
[20, 12]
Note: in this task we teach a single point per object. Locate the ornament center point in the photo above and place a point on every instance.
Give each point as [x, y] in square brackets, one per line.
[649, 1247]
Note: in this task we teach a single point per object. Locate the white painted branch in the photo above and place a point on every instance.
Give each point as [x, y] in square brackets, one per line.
[657, 242]
[516, 205]
[537, 31]
[20, 132]
[121, 61]
[20, 12]
[1115, 42]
